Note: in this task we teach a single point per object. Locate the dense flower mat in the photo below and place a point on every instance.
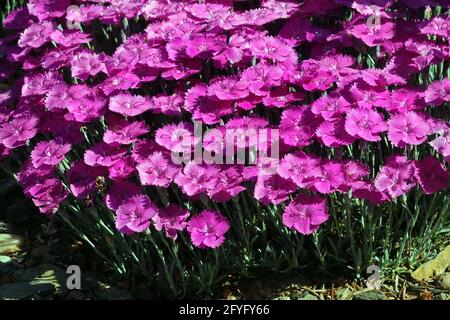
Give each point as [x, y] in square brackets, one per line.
[101, 94]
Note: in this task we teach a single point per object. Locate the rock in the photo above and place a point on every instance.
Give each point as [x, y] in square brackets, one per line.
[24, 290]
[7, 265]
[369, 295]
[10, 243]
[433, 268]
[5, 259]
[444, 281]
[44, 274]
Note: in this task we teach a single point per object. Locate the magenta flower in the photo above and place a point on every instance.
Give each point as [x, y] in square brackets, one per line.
[271, 49]
[381, 77]
[17, 132]
[48, 9]
[257, 17]
[431, 175]
[298, 167]
[245, 131]
[82, 178]
[56, 58]
[207, 229]
[396, 177]
[421, 55]
[338, 64]
[437, 26]
[157, 170]
[40, 83]
[204, 46]
[36, 35]
[122, 81]
[47, 195]
[262, 77]
[143, 149]
[227, 186]
[172, 219]
[86, 64]
[103, 154]
[408, 129]
[374, 35]
[330, 106]
[229, 89]
[438, 92]
[366, 190]
[368, 98]
[404, 100]
[129, 105]
[69, 38]
[170, 105]
[176, 137]
[318, 81]
[119, 192]
[196, 178]
[206, 108]
[305, 214]
[229, 56]
[183, 69]
[273, 189]
[442, 142]
[49, 153]
[134, 214]
[29, 175]
[90, 106]
[365, 124]
[125, 132]
[245, 123]
[17, 19]
[295, 30]
[122, 169]
[327, 178]
[298, 126]
[65, 129]
[157, 58]
[280, 97]
[333, 134]
[353, 173]
[62, 96]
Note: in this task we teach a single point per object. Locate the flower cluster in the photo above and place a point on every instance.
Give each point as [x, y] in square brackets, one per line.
[116, 106]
